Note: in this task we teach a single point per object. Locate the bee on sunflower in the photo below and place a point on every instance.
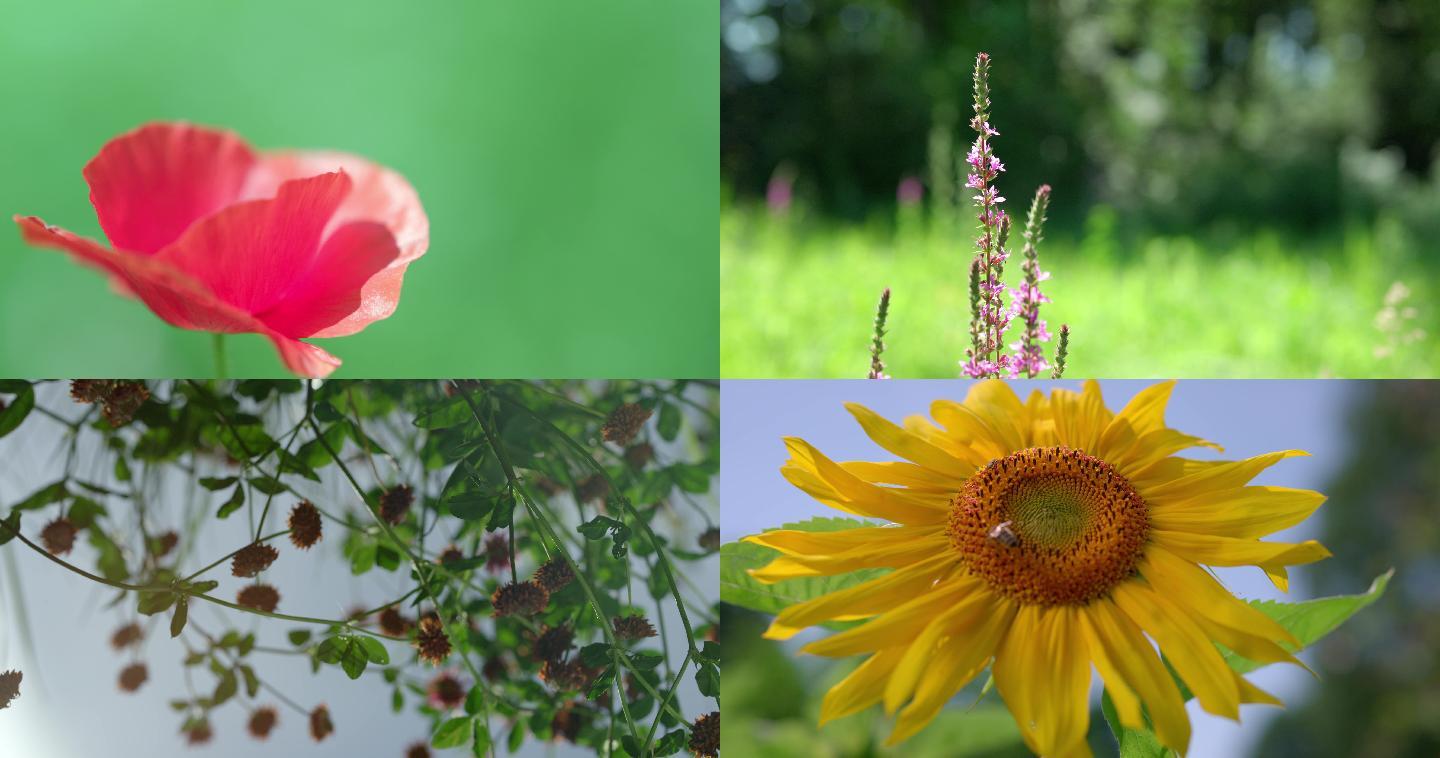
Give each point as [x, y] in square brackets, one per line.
[1039, 538]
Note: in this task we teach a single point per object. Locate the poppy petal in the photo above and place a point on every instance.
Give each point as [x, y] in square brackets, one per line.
[176, 297]
[250, 253]
[379, 195]
[152, 183]
[171, 294]
[332, 288]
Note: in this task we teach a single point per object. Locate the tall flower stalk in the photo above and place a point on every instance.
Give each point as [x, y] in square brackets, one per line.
[990, 314]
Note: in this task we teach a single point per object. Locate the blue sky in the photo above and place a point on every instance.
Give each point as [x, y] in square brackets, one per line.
[1247, 417]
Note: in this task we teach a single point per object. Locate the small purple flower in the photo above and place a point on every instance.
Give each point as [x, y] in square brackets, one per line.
[909, 192]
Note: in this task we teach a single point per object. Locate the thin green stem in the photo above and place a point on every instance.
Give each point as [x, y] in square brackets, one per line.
[218, 347]
[674, 685]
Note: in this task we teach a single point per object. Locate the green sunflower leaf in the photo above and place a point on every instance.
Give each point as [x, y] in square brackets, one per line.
[1309, 621]
[737, 587]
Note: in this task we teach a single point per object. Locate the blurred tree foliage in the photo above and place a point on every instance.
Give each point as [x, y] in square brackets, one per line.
[1183, 112]
[1380, 670]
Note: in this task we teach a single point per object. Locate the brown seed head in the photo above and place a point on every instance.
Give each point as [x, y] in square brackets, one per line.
[450, 554]
[522, 599]
[446, 691]
[497, 553]
[495, 669]
[705, 736]
[320, 724]
[161, 545]
[58, 536]
[262, 720]
[252, 559]
[431, 641]
[394, 623]
[9, 687]
[261, 597]
[592, 488]
[554, 575]
[639, 455]
[566, 675]
[567, 723]
[418, 750]
[306, 528]
[624, 423]
[553, 643]
[125, 636]
[124, 400]
[198, 733]
[132, 676]
[395, 503]
[633, 627]
[710, 540]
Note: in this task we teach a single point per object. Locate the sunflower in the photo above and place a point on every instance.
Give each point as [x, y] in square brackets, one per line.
[1039, 538]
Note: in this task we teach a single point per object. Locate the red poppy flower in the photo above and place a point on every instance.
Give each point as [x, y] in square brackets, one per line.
[213, 236]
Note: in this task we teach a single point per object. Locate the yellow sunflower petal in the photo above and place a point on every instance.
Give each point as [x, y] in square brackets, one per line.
[1188, 649]
[906, 475]
[906, 445]
[790, 567]
[1144, 413]
[1249, 693]
[860, 496]
[862, 688]
[976, 623]
[898, 626]
[1168, 470]
[1224, 476]
[1132, 670]
[1156, 446]
[1043, 672]
[954, 664]
[862, 600]
[1241, 512]
[1080, 419]
[1228, 551]
[1174, 576]
[805, 543]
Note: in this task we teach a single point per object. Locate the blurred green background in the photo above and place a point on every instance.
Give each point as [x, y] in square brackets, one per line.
[563, 151]
[1246, 188]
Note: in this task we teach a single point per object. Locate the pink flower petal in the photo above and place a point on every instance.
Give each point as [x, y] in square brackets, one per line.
[331, 290]
[174, 296]
[150, 184]
[250, 254]
[380, 195]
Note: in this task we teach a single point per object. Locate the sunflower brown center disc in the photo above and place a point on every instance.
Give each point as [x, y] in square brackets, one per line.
[1049, 526]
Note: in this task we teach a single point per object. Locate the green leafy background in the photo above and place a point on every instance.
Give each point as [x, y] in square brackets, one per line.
[565, 153]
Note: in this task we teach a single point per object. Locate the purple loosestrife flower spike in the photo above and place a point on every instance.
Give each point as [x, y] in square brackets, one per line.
[1061, 351]
[877, 343]
[1026, 299]
[987, 356]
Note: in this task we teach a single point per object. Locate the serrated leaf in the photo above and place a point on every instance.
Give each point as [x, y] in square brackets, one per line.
[737, 587]
[475, 700]
[646, 659]
[226, 689]
[453, 733]
[673, 742]
[152, 603]
[480, 746]
[517, 738]
[252, 682]
[596, 528]
[299, 637]
[42, 497]
[9, 527]
[504, 511]
[601, 684]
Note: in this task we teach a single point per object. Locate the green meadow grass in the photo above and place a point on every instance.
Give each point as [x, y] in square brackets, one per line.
[798, 298]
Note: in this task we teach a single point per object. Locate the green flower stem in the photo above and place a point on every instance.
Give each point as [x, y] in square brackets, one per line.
[421, 568]
[674, 685]
[232, 553]
[218, 347]
[584, 455]
[199, 595]
[548, 529]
